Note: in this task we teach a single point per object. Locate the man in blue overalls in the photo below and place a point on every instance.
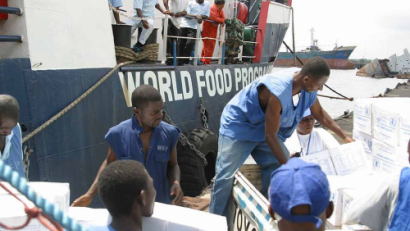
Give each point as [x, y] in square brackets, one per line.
[10, 134]
[145, 138]
[260, 118]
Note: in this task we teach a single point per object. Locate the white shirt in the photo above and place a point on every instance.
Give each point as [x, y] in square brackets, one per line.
[320, 140]
[195, 9]
[6, 151]
[175, 7]
[147, 7]
[375, 209]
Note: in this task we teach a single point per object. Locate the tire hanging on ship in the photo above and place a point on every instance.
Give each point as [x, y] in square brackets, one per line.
[194, 175]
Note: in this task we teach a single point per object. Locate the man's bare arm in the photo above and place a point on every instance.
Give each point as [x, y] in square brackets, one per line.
[174, 175]
[272, 124]
[321, 115]
[87, 198]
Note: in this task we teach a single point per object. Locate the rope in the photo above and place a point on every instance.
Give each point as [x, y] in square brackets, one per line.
[149, 53]
[291, 51]
[50, 211]
[75, 102]
[332, 97]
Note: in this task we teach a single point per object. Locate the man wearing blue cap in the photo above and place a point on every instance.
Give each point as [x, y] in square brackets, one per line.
[259, 119]
[307, 139]
[300, 197]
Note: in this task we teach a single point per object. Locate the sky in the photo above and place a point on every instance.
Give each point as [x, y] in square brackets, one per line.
[379, 28]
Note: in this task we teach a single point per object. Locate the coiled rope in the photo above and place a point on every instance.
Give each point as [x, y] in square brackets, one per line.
[50, 210]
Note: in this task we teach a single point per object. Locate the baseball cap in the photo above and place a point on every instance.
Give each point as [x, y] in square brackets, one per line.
[306, 113]
[299, 183]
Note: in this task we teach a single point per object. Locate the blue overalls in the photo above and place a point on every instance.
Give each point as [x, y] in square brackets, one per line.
[13, 154]
[242, 132]
[401, 215]
[124, 139]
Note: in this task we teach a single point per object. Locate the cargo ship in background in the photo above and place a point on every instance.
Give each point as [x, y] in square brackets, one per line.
[338, 58]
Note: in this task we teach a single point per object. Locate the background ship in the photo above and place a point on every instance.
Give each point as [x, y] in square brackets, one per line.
[338, 58]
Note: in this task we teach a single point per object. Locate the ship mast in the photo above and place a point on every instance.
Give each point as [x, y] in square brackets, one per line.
[313, 41]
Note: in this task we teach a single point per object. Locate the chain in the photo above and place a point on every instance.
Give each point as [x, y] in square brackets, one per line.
[204, 117]
[184, 140]
[134, 18]
[26, 160]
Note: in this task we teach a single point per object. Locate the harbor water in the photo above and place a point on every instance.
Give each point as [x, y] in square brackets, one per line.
[347, 83]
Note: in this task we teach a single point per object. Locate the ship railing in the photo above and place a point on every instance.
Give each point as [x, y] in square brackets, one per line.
[197, 55]
[11, 38]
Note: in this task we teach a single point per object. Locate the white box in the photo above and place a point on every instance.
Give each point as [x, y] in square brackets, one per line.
[386, 122]
[383, 151]
[382, 166]
[356, 227]
[404, 129]
[165, 218]
[14, 215]
[362, 120]
[366, 140]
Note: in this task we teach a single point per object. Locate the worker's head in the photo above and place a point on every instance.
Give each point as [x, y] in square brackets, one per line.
[299, 197]
[127, 190]
[147, 105]
[9, 114]
[315, 73]
[200, 1]
[220, 4]
[307, 123]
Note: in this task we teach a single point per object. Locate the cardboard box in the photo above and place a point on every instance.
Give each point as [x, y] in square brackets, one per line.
[383, 151]
[386, 122]
[404, 129]
[362, 120]
[366, 140]
[357, 227]
[165, 218]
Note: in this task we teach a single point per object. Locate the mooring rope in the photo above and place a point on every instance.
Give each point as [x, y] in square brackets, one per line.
[54, 212]
[300, 61]
[75, 102]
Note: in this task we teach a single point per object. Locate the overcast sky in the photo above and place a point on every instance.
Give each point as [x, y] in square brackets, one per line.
[379, 28]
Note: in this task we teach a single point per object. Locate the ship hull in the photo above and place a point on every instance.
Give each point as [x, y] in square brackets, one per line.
[75, 142]
[337, 59]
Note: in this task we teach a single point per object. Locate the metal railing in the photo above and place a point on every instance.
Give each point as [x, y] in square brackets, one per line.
[198, 38]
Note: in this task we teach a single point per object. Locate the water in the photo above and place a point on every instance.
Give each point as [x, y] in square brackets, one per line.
[347, 83]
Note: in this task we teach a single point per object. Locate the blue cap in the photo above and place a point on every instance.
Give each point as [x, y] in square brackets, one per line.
[299, 183]
[307, 113]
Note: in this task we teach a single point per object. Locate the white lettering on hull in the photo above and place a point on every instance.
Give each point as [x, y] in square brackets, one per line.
[177, 86]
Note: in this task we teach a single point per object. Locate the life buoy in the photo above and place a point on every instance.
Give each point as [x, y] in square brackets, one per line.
[242, 12]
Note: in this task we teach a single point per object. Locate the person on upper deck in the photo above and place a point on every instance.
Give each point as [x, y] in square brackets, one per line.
[177, 9]
[386, 208]
[128, 193]
[307, 139]
[10, 134]
[300, 197]
[116, 4]
[197, 10]
[149, 140]
[259, 119]
[210, 29]
[144, 9]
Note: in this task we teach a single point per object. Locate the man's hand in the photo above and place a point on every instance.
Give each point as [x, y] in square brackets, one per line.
[177, 192]
[199, 19]
[83, 201]
[167, 12]
[119, 22]
[348, 140]
[145, 24]
[179, 14]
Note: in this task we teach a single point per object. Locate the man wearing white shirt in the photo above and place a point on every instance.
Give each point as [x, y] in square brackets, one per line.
[197, 10]
[177, 9]
[116, 4]
[307, 140]
[144, 9]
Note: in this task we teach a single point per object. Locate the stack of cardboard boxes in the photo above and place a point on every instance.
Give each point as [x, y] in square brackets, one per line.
[383, 125]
